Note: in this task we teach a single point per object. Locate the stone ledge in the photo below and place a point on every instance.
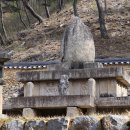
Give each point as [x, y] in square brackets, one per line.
[109, 102]
[52, 102]
[118, 73]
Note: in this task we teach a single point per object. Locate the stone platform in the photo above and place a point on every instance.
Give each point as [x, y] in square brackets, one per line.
[53, 102]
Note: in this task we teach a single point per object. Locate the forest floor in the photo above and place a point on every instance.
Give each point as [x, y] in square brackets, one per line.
[42, 42]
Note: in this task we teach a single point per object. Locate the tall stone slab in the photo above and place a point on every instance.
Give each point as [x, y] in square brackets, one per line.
[77, 44]
[3, 58]
[1, 99]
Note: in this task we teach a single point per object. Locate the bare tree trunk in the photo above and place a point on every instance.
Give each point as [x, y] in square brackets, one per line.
[37, 16]
[2, 22]
[1, 40]
[46, 9]
[60, 4]
[75, 7]
[103, 29]
[105, 2]
[27, 15]
[20, 15]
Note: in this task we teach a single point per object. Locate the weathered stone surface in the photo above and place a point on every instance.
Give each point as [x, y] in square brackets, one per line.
[53, 102]
[85, 123]
[114, 122]
[110, 102]
[92, 87]
[77, 45]
[58, 124]
[28, 89]
[98, 73]
[13, 125]
[35, 125]
[93, 65]
[73, 111]
[63, 85]
[28, 112]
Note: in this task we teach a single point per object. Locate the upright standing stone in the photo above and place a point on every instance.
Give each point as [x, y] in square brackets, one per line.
[29, 112]
[78, 44]
[3, 58]
[1, 99]
[92, 87]
[73, 112]
[28, 89]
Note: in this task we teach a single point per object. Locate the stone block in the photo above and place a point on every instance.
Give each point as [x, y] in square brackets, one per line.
[91, 84]
[58, 124]
[35, 125]
[28, 89]
[93, 65]
[80, 101]
[73, 112]
[28, 112]
[84, 123]
[114, 122]
[13, 125]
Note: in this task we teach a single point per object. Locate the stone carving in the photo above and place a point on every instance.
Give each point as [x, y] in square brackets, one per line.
[63, 85]
[77, 44]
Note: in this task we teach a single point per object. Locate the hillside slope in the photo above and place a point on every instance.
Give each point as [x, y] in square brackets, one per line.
[42, 42]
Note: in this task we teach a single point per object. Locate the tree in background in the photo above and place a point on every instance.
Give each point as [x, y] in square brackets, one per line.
[75, 7]
[31, 10]
[101, 13]
[60, 4]
[46, 8]
[4, 38]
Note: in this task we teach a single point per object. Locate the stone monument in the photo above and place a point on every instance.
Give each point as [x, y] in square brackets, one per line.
[77, 44]
[75, 83]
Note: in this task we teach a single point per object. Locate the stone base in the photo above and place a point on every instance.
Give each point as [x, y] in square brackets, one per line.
[77, 65]
[28, 112]
[91, 111]
[52, 102]
[73, 111]
[93, 65]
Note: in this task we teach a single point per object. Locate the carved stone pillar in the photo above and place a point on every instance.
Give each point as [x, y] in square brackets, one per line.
[63, 85]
